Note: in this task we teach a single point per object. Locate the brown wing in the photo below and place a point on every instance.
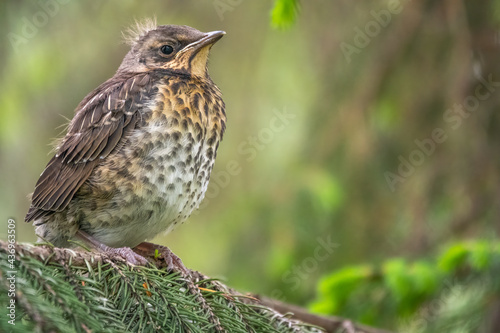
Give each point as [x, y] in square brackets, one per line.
[102, 120]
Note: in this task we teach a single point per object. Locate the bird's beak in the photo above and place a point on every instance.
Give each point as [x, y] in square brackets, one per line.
[208, 38]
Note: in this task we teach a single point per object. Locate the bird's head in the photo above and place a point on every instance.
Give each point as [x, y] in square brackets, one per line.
[174, 47]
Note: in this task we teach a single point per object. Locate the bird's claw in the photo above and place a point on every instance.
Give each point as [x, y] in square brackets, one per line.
[129, 255]
[172, 262]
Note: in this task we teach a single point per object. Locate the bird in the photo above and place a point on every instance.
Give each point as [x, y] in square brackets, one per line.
[137, 156]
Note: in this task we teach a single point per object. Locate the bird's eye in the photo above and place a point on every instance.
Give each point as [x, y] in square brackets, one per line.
[166, 49]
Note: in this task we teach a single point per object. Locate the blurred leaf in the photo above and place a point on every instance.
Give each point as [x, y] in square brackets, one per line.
[396, 278]
[284, 13]
[425, 277]
[414, 291]
[337, 287]
[480, 255]
[453, 257]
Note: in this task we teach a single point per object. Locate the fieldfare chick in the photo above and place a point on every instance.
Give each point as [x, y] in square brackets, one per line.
[137, 156]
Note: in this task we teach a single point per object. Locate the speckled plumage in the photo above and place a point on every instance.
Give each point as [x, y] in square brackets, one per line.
[139, 152]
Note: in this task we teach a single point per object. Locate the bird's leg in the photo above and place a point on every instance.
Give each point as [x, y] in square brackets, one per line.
[125, 252]
[173, 262]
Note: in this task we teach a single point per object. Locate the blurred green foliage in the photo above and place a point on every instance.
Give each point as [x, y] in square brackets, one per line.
[284, 13]
[399, 288]
[313, 128]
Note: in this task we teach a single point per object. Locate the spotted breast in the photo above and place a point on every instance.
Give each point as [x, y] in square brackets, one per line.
[161, 174]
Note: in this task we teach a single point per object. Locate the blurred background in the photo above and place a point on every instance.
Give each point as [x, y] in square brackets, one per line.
[358, 131]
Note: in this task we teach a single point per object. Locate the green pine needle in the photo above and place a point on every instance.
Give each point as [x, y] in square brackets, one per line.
[69, 291]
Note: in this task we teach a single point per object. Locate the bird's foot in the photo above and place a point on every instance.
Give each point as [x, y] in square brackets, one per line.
[172, 262]
[128, 254]
[125, 252]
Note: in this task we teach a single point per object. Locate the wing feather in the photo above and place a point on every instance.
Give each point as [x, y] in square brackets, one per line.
[102, 120]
